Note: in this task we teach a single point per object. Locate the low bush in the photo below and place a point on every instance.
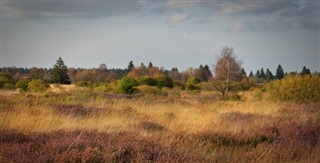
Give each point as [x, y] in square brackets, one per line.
[192, 83]
[147, 80]
[164, 81]
[5, 82]
[37, 85]
[295, 89]
[23, 85]
[126, 85]
[149, 90]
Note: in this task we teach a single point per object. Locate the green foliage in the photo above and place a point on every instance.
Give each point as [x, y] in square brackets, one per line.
[59, 73]
[150, 90]
[147, 80]
[164, 81]
[279, 73]
[126, 85]
[5, 81]
[296, 89]
[23, 85]
[37, 85]
[192, 82]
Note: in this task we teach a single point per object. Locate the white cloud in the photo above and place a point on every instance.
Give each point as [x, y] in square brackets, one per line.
[178, 17]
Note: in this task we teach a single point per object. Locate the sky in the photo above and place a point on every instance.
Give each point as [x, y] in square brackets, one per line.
[169, 33]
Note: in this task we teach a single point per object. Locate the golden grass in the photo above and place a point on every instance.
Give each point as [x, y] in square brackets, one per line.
[179, 117]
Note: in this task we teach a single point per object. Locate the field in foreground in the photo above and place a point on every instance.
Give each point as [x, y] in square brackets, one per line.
[81, 126]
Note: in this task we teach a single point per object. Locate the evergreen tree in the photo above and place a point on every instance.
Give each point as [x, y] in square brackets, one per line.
[59, 73]
[243, 72]
[257, 75]
[279, 73]
[269, 75]
[150, 65]
[262, 74]
[207, 71]
[305, 71]
[251, 74]
[130, 66]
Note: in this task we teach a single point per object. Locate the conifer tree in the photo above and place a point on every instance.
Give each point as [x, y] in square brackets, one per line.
[130, 66]
[251, 74]
[269, 75]
[279, 72]
[59, 73]
[262, 74]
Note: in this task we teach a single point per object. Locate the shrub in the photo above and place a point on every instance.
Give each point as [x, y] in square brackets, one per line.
[103, 88]
[5, 81]
[22, 84]
[126, 85]
[164, 81]
[147, 80]
[296, 89]
[192, 82]
[149, 90]
[37, 85]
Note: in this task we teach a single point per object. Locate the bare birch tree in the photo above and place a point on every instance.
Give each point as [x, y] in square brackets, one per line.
[226, 69]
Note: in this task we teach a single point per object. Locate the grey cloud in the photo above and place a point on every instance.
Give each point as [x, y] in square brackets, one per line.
[73, 9]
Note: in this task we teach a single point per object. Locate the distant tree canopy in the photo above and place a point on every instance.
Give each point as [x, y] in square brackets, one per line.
[59, 73]
[226, 69]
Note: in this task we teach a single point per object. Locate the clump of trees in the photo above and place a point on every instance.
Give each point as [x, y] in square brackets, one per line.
[295, 88]
[37, 85]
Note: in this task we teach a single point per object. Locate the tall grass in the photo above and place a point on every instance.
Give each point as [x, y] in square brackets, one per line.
[194, 125]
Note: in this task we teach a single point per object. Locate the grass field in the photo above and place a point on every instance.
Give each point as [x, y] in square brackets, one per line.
[78, 126]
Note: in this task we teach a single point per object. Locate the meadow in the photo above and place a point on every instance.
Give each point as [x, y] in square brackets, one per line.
[71, 124]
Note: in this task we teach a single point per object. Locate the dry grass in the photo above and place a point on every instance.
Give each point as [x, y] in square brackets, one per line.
[193, 125]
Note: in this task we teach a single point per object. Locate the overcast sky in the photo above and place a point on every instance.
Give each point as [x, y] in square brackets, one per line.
[171, 33]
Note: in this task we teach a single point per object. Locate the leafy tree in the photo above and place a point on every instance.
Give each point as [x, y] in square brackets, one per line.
[226, 69]
[279, 72]
[59, 73]
[126, 85]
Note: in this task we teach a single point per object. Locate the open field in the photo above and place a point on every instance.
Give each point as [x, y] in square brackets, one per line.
[84, 126]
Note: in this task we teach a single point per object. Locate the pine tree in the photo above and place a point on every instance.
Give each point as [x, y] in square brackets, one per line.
[207, 71]
[269, 75]
[279, 73]
[257, 75]
[262, 74]
[150, 65]
[59, 73]
[251, 74]
[243, 72]
[130, 66]
[305, 71]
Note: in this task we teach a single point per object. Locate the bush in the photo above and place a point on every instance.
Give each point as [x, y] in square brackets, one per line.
[5, 82]
[295, 89]
[103, 88]
[37, 85]
[147, 80]
[126, 85]
[164, 81]
[150, 90]
[192, 82]
[23, 85]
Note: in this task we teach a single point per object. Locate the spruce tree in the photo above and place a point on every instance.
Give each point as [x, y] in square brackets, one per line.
[150, 65]
[262, 74]
[257, 75]
[269, 75]
[59, 73]
[279, 73]
[251, 74]
[130, 66]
